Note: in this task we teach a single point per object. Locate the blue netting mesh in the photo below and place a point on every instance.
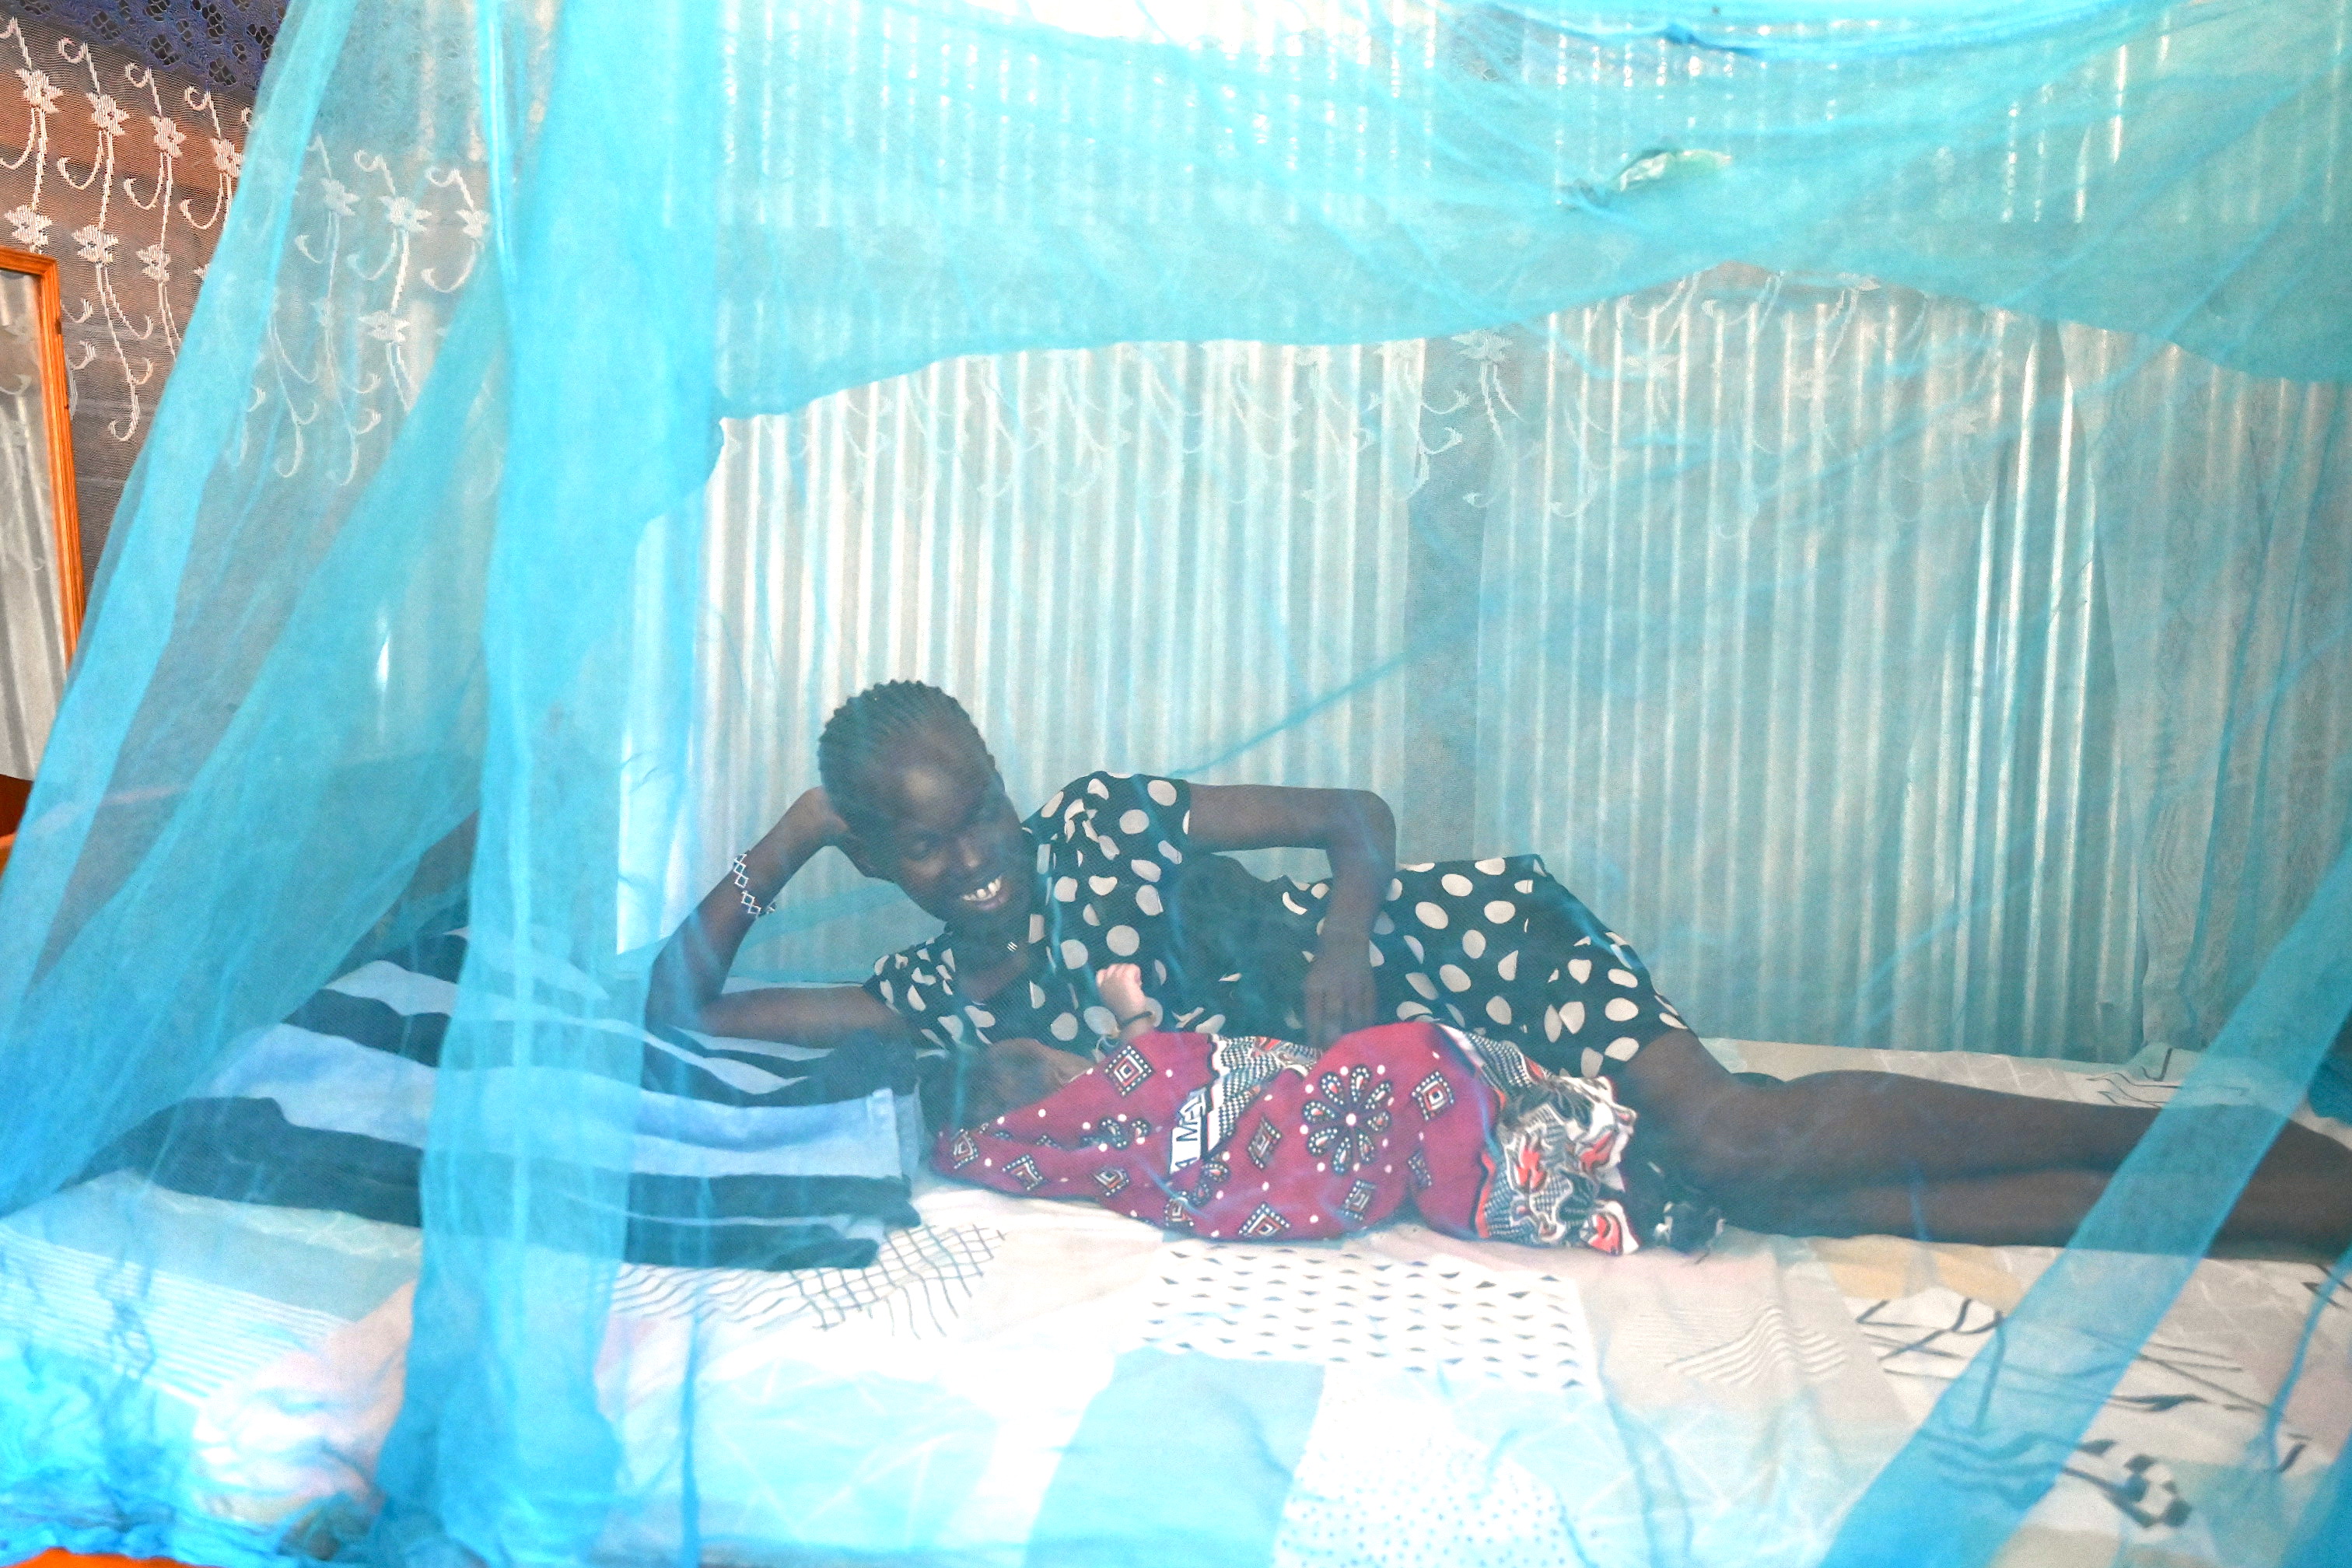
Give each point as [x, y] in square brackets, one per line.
[1860, 491]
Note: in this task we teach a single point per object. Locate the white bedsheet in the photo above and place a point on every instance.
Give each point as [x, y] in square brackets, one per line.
[1477, 1404]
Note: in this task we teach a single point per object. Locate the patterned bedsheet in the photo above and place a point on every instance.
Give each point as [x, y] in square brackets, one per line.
[1020, 1380]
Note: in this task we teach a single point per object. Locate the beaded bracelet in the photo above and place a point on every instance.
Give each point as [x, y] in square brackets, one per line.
[740, 874]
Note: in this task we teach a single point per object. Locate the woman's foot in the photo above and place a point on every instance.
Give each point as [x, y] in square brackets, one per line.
[1666, 1212]
[1121, 988]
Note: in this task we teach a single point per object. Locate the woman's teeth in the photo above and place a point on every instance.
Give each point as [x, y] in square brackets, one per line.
[984, 893]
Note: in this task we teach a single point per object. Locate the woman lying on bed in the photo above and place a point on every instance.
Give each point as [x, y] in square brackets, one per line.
[1117, 870]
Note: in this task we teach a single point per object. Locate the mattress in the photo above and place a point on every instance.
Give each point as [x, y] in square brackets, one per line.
[1018, 1381]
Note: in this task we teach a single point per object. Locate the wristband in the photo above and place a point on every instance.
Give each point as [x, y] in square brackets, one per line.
[740, 874]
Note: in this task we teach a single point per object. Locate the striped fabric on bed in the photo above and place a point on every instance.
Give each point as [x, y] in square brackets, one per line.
[746, 1154]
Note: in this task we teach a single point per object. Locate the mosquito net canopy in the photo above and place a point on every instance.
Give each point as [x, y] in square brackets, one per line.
[1862, 490]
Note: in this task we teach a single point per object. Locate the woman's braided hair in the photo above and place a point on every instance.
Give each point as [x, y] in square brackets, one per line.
[867, 730]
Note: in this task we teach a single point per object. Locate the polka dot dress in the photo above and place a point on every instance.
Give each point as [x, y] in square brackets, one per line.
[1495, 945]
[1498, 946]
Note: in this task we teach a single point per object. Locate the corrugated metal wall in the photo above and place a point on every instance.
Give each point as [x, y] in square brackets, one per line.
[1794, 653]
[1777, 615]
[1145, 557]
[1831, 638]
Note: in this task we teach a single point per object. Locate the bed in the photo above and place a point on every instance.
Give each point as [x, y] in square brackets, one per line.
[1398, 1398]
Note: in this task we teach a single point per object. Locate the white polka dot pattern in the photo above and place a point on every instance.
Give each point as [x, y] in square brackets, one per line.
[1496, 943]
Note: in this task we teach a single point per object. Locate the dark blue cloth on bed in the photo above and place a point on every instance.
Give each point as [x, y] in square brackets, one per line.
[745, 1157]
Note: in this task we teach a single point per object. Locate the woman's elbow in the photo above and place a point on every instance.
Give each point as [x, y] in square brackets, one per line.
[670, 1006]
[1374, 823]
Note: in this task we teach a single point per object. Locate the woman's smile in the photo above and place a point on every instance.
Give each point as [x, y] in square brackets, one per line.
[989, 898]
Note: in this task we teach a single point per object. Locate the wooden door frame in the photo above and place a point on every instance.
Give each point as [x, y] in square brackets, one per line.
[57, 406]
[56, 397]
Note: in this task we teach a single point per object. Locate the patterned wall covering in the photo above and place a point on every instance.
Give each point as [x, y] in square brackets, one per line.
[221, 44]
[123, 173]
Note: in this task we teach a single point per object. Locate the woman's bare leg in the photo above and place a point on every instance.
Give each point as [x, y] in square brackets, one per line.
[1837, 1135]
[2035, 1208]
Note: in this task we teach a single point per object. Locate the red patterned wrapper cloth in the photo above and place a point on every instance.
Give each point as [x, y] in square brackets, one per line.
[1260, 1140]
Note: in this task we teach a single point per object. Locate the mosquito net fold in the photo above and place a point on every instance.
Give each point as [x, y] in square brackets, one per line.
[1862, 490]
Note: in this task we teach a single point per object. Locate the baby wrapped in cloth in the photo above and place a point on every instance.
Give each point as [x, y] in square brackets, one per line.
[1260, 1140]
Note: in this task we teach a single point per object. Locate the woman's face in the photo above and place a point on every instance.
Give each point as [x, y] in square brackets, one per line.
[953, 842]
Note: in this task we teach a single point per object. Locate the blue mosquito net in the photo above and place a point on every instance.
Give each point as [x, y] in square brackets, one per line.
[1863, 491]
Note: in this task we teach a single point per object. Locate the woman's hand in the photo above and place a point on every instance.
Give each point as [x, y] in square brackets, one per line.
[1340, 994]
[1011, 1074]
[1357, 829]
[809, 823]
[688, 988]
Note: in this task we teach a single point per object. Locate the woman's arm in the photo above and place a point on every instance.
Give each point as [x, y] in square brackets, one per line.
[690, 978]
[1358, 831]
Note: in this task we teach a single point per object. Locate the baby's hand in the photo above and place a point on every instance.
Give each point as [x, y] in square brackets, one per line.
[1121, 988]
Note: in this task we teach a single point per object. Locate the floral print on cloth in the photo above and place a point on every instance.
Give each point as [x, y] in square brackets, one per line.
[1260, 1140]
